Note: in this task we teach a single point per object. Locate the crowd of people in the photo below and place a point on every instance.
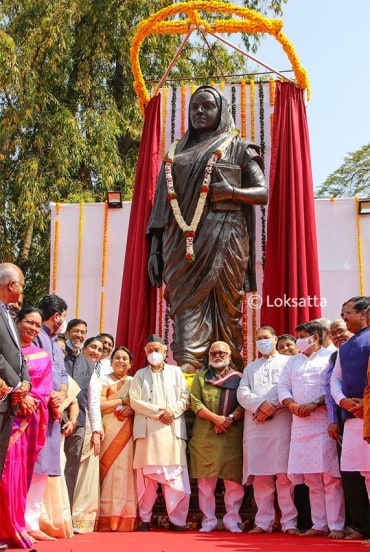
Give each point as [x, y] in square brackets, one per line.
[84, 444]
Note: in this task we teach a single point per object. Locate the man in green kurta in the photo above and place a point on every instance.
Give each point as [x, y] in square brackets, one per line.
[216, 443]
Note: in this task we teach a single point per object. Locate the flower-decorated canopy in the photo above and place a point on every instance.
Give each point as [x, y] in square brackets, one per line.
[242, 20]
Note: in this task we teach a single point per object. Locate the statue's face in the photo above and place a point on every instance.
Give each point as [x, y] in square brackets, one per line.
[203, 112]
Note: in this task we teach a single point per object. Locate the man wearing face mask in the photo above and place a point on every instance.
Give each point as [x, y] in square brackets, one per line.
[54, 312]
[267, 436]
[216, 444]
[312, 455]
[159, 395]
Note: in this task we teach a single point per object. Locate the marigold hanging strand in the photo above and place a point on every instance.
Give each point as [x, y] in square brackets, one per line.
[359, 249]
[243, 109]
[252, 107]
[164, 121]
[79, 255]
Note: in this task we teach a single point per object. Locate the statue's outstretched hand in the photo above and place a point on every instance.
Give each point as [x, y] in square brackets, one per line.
[155, 269]
[221, 190]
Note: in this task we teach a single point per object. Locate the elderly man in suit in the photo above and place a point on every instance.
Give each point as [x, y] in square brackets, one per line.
[14, 377]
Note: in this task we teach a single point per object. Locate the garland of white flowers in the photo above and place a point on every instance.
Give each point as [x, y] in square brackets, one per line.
[189, 230]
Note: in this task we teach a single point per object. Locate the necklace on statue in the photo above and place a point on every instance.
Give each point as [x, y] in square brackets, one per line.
[190, 230]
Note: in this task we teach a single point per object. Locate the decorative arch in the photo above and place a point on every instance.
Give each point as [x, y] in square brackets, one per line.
[249, 21]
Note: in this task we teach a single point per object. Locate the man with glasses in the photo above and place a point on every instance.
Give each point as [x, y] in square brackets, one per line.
[216, 450]
[14, 377]
[347, 385]
[81, 369]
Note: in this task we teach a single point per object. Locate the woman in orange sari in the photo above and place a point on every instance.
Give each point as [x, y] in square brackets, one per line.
[118, 502]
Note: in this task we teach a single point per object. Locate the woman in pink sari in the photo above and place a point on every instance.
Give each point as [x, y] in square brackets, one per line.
[28, 433]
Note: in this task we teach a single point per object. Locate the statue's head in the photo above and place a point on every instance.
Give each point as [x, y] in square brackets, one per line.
[209, 110]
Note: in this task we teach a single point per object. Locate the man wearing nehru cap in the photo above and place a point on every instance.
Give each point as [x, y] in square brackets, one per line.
[159, 395]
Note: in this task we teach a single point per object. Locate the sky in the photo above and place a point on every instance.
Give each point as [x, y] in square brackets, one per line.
[332, 41]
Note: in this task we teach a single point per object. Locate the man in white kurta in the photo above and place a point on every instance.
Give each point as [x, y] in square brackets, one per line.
[267, 436]
[312, 454]
[159, 395]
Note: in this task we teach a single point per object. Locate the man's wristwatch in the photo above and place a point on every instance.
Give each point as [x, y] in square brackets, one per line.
[317, 402]
[231, 417]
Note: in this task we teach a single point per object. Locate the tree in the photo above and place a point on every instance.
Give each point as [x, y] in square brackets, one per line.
[351, 179]
[69, 121]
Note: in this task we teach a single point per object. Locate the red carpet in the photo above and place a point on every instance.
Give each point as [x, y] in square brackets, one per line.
[218, 541]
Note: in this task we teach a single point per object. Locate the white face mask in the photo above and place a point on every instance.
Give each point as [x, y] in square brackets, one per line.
[305, 343]
[62, 328]
[155, 358]
[265, 346]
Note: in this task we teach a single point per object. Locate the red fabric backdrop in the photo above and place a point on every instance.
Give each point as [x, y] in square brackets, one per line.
[291, 269]
[136, 319]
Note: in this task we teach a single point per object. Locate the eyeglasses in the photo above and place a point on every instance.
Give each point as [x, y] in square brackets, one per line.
[222, 354]
[346, 313]
[32, 323]
[338, 332]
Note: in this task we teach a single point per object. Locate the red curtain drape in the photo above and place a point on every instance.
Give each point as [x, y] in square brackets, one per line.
[291, 288]
[136, 319]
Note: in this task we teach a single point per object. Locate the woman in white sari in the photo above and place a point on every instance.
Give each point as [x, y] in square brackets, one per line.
[118, 502]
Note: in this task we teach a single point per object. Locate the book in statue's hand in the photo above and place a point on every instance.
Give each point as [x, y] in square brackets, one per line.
[231, 173]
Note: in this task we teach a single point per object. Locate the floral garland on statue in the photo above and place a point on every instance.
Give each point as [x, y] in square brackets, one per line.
[190, 230]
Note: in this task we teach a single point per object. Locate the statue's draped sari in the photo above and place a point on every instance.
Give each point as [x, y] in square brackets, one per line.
[205, 296]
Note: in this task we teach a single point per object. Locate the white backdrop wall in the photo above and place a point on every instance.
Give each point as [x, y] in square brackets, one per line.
[88, 248]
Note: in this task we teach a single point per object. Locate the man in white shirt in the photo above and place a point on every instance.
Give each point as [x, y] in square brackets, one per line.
[267, 436]
[313, 455]
[159, 395]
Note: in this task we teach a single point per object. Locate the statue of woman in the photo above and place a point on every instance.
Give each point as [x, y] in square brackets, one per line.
[202, 230]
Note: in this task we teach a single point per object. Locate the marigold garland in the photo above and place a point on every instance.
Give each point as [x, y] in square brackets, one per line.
[55, 255]
[164, 121]
[183, 110]
[249, 21]
[272, 91]
[167, 324]
[254, 323]
[79, 255]
[102, 311]
[243, 109]
[190, 230]
[252, 108]
[105, 245]
[245, 329]
[359, 249]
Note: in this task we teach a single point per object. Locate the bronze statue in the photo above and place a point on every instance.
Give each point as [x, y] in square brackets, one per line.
[202, 230]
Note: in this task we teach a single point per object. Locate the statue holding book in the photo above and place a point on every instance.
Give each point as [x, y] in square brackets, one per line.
[202, 230]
